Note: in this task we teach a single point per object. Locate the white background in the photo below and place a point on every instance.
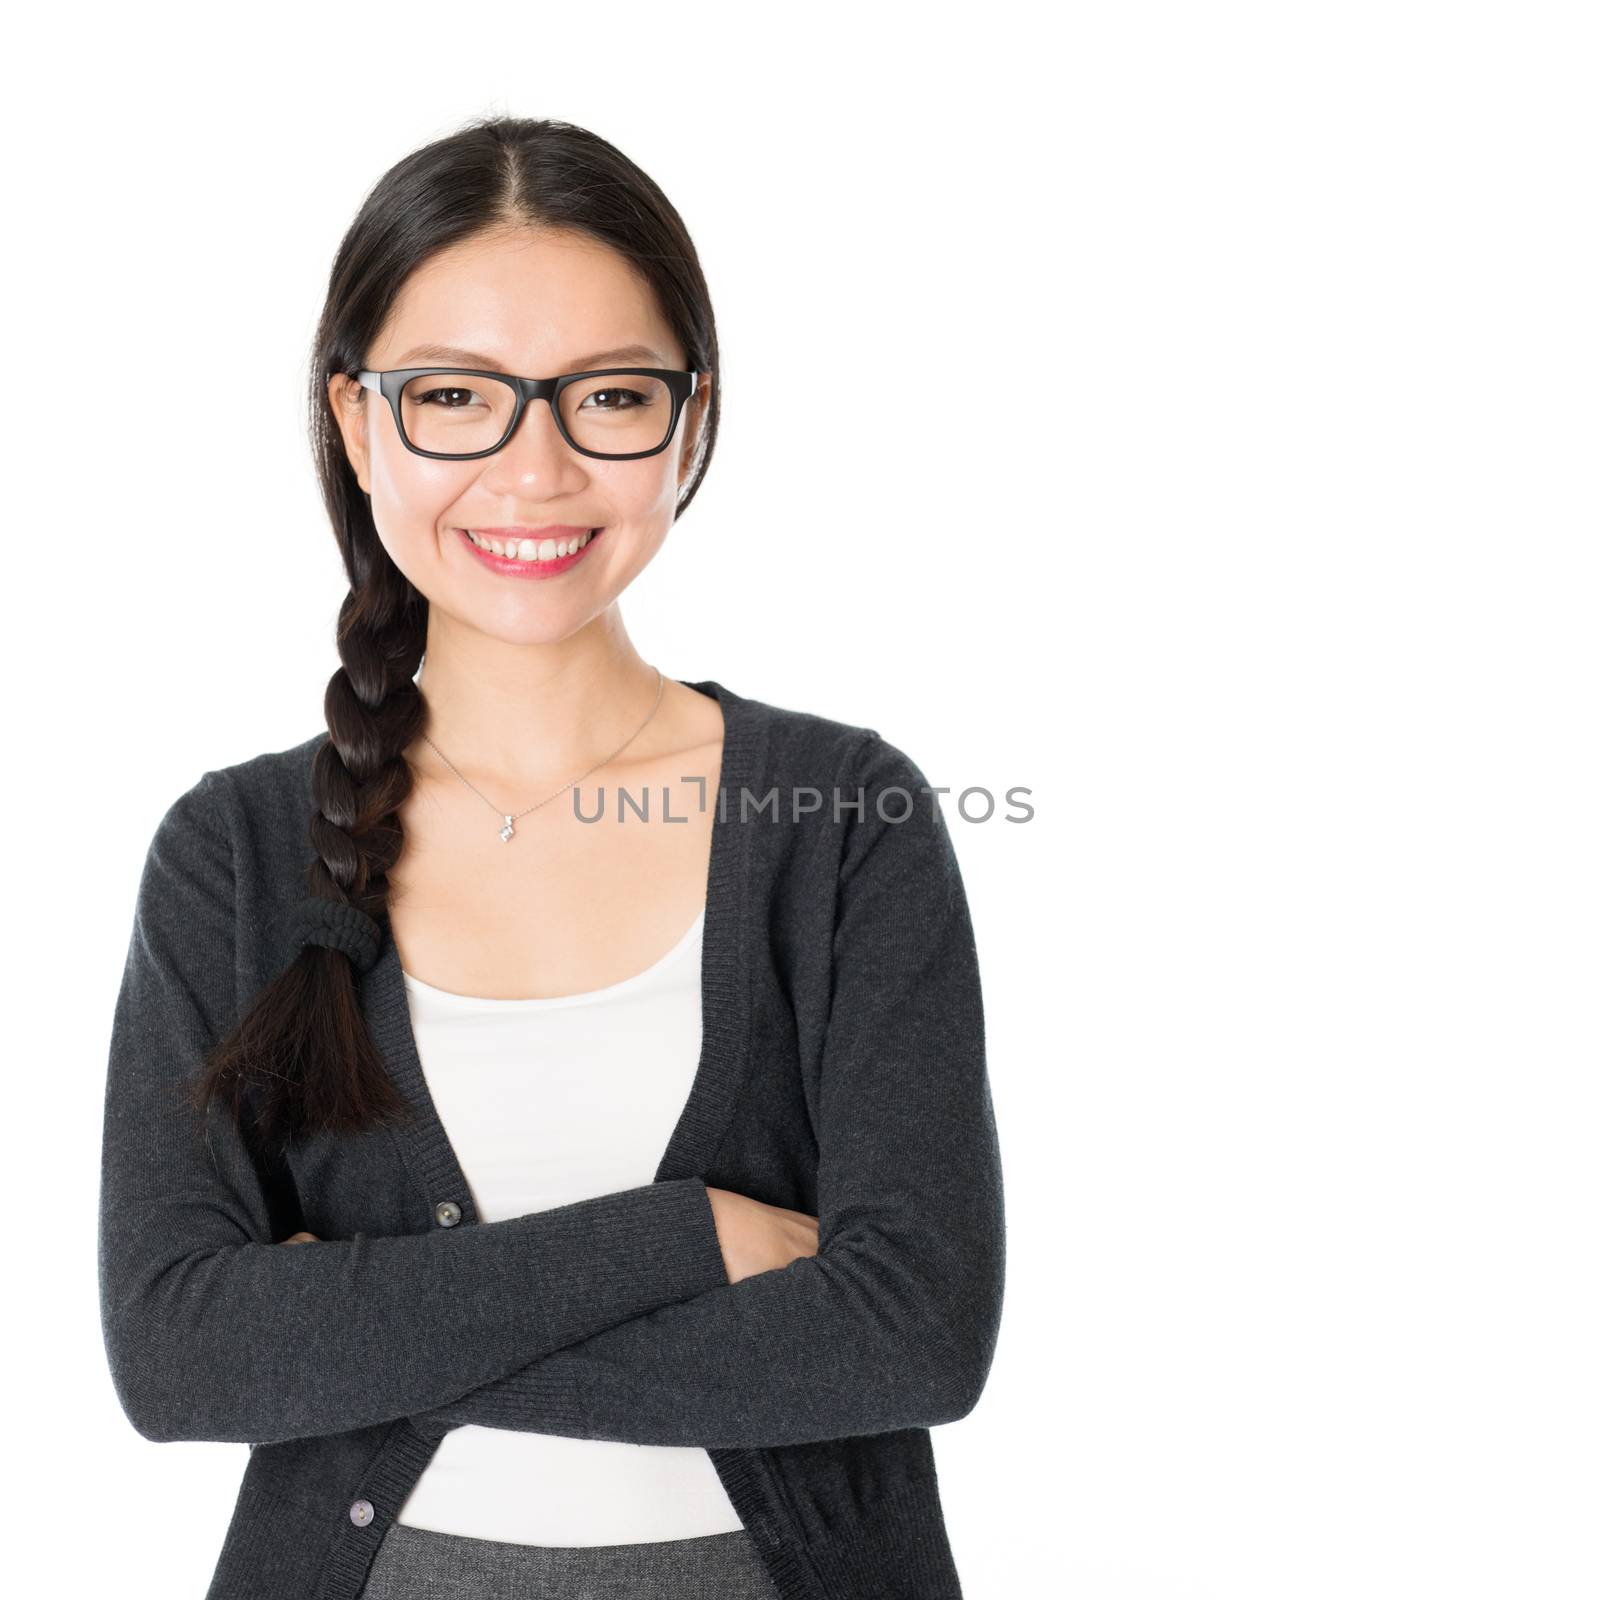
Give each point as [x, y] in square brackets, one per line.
[1187, 412]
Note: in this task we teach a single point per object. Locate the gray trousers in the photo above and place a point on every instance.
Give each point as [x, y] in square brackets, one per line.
[422, 1564]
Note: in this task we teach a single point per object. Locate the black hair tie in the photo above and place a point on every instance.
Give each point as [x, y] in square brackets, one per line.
[339, 927]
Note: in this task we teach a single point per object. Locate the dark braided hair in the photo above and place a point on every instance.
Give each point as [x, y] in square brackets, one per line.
[302, 1057]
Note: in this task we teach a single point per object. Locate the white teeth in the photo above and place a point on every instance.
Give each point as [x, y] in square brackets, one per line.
[530, 549]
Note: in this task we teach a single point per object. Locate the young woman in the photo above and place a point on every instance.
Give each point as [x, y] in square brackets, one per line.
[547, 1115]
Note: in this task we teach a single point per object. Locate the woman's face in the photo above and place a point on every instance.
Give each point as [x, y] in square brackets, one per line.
[537, 305]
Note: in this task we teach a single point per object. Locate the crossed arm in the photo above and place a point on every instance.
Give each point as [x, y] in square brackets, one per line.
[214, 1332]
[893, 1323]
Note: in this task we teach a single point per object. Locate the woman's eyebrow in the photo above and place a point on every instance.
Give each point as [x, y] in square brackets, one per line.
[473, 358]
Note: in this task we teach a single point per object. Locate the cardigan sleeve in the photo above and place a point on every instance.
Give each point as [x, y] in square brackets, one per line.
[893, 1323]
[215, 1330]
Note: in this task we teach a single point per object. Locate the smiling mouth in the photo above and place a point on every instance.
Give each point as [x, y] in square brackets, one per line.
[532, 551]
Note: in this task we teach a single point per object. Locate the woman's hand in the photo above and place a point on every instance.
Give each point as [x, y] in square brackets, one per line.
[300, 1238]
[756, 1237]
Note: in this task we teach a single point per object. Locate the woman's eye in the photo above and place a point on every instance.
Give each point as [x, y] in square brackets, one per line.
[613, 395]
[430, 394]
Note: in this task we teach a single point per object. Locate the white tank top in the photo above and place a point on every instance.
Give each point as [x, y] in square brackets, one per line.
[547, 1102]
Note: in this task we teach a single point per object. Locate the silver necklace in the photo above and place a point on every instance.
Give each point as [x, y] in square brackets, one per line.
[509, 830]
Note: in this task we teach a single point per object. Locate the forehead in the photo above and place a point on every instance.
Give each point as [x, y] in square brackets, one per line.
[535, 303]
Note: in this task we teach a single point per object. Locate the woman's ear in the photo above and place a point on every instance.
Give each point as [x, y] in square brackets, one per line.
[694, 424]
[347, 401]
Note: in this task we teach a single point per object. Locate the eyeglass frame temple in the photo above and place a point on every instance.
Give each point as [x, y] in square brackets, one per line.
[388, 385]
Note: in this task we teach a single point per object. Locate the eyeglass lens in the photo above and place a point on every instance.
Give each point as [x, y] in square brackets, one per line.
[461, 413]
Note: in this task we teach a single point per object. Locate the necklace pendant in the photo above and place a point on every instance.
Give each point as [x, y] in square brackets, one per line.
[507, 831]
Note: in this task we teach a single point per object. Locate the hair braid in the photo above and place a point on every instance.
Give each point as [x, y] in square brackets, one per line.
[360, 777]
[303, 1056]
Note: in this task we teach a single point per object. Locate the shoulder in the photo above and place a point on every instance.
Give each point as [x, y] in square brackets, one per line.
[837, 779]
[248, 804]
[815, 746]
[821, 747]
[272, 787]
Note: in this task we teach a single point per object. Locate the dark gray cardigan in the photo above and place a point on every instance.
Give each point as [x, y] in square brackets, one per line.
[842, 1074]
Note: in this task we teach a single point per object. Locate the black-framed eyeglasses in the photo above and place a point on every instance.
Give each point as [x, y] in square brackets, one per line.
[615, 414]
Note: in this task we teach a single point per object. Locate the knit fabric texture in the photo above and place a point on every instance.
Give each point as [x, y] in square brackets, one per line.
[842, 1074]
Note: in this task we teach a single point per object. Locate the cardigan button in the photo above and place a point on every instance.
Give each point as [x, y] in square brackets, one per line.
[447, 1213]
[361, 1513]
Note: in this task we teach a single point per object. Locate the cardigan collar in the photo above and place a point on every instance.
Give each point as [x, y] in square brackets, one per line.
[724, 992]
